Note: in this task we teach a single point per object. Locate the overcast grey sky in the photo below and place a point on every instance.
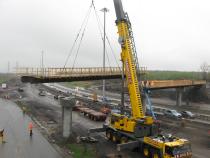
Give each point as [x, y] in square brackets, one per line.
[169, 34]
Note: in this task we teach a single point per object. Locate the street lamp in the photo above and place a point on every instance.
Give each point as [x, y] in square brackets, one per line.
[105, 10]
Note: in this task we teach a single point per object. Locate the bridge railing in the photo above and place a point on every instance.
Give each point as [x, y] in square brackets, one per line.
[65, 72]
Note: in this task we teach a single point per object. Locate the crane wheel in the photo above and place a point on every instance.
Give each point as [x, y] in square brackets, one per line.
[108, 135]
[91, 117]
[155, 154]
[123, 140]
[114, 138]
[146, 151]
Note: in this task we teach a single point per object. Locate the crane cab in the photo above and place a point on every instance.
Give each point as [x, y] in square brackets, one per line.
[138, 127]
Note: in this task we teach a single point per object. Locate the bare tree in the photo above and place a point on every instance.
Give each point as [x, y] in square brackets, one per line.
[204, 69]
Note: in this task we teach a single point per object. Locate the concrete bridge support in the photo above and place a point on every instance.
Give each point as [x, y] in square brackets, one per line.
[67, 104]
[179, 94]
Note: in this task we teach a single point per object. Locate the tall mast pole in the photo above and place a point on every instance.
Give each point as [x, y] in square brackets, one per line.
[105, 10]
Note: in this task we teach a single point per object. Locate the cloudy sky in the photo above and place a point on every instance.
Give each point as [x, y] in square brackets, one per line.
[169, 34]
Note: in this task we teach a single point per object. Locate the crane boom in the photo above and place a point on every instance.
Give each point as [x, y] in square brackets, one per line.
[119, 10]
[138, 131]
[128, 59]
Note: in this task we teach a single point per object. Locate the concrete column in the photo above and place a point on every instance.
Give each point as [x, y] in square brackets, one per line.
[67, 105]
[187, 102]
[179, 92]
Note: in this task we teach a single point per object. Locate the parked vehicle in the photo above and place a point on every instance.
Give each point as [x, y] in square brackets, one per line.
[20, 90]
[58, 96]
[106, 100]
[42, 93]
[85, 95]
[3, 85]
[172, 114]
[188, 114]
[68, 93]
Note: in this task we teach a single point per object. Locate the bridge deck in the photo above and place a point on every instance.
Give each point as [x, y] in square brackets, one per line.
[72, 72]
[164, 84]
[40, 75]
[48, 75]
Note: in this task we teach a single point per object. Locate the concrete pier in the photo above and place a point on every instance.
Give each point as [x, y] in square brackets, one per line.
[179, 93]
[67, 105]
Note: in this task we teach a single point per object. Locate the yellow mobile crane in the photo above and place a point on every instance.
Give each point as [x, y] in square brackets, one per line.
[137, 130]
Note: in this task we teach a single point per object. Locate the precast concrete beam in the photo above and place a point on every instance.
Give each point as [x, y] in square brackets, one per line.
[67, 104]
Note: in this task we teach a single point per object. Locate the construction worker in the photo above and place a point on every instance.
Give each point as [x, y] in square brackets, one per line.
[2, 136]
[24, 110]
[30, 128]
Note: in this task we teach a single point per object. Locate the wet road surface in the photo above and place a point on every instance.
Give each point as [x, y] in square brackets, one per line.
[18, 143]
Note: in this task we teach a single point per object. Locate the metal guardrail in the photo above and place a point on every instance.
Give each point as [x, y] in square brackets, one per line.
[66, 72]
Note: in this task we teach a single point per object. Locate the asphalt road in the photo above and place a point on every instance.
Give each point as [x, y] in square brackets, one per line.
[18, 143]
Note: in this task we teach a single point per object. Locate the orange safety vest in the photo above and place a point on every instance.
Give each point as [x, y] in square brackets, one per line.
[30, 126]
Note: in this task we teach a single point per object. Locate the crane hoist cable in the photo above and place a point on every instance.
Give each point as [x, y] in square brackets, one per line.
[112, 50]
[80, 42]
[82, 39]
[83, 36]
[78, 34]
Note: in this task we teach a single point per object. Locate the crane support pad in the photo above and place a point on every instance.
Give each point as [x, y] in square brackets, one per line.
[130, 145]
[94, 130]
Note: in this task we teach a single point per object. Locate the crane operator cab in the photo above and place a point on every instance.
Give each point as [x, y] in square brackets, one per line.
[137, 127]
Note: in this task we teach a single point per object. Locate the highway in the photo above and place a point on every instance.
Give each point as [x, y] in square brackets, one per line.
[18, 143]
[158, 108]
[80, 92]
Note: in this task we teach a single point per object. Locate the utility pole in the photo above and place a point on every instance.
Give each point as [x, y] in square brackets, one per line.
[105, 10]
[8, 67]
[16, 67]
[42, 63]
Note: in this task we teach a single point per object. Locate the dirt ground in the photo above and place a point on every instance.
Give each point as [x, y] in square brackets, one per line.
[47, 113]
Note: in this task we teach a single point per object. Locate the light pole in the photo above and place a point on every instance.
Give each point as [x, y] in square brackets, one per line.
[105, 10]
[42, 63]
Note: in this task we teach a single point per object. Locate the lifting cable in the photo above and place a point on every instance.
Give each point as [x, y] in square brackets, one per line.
[92, 4]
[78, 34]
[82, 30]
[80, 42]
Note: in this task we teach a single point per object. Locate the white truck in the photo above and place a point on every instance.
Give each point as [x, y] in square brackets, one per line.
[3, 85]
